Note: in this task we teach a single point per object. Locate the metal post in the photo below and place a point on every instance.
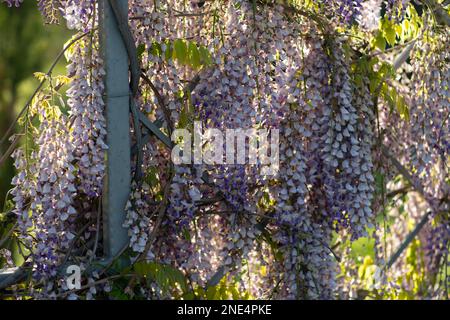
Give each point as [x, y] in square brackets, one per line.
[117, 92]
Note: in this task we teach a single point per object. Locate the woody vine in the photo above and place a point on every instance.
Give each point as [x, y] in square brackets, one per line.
[359, 208]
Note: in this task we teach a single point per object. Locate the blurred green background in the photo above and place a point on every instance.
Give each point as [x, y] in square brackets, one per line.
[27, 45]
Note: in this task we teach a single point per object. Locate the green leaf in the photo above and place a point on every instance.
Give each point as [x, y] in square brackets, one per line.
[40, 75]
[169, 50]
[194, 56]
[142, 269]
[151, 177]
[387, 94]
[16, 249]
[380, 42]
[155, 49]
[211, 293]
[186, 234]
[118, 293]
[61, 80]
[363, 247]
[180, 52]
[70, 49]
[402, 107]
[389, 33]
[140, 50]
[183, 119]
[166, 276]
[380, 182]
[373, 85]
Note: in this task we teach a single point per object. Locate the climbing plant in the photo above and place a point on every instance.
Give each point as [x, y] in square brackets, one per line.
[359, 206]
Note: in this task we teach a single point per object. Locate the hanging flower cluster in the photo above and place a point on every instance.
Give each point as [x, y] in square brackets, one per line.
[251, 83]
[428, 151]
[429, 114]
[11, 3]
[60, 178]
[347, 11]
[86, 107]
[370, 14]
[396, 8]
[45, 199]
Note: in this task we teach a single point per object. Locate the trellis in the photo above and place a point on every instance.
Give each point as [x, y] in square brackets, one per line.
[121, 86]
[117, 102]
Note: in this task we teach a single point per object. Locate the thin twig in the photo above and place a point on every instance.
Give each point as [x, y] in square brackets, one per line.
[49, 72]
[97, 231]
[402, 190]
[419, 188]
[10, 149]
[160, 100]
[74, 240]
[8, 234]
[161, 211]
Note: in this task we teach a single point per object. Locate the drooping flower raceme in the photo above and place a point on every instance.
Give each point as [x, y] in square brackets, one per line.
[11, 3]
[86, 108]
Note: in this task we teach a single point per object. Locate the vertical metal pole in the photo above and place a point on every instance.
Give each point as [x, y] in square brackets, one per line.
[117, 88]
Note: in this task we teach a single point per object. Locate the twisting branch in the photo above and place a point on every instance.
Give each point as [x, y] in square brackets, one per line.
[419, 188]
[138, 134]
[160, 100]
[396, 192]
[322, 23]
[410, 237]
[404, 55]
[8, 234]
[10, 149]
[160, 211]
[399, 60]
[403, 171]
